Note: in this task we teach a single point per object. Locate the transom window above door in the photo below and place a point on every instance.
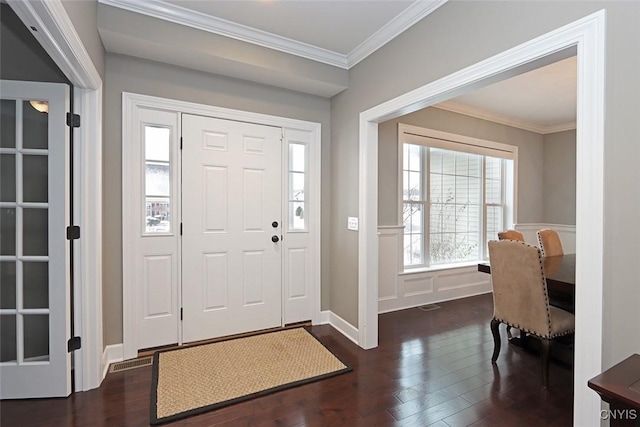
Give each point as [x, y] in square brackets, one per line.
[456, 193]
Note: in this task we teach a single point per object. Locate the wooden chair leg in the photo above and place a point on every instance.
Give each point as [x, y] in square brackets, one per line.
[546, 346]
[496, 339]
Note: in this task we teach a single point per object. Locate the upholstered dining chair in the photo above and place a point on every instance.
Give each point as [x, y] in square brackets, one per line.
[520, 298]
[511, 235]
[550, 243]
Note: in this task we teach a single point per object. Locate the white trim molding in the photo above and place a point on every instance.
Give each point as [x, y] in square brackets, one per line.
[57, 35]
[411, 15]
[89, 277]
[183, 16]
[180, 15]
[587, 35]
[390, 263]
[338, 323]
[113, 353]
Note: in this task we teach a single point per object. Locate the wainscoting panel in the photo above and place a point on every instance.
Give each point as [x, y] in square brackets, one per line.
[398, 290]
[390, 252]
[415, 285]
[567, 234]
[457, 279]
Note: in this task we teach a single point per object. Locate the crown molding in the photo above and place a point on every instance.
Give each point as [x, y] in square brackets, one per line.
[560, 128]
[479, 113]
[411, 15]
[179, 15]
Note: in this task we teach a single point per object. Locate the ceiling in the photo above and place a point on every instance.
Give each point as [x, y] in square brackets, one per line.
[335, 34]
[338, 26]
[543, 100]
[340, 33]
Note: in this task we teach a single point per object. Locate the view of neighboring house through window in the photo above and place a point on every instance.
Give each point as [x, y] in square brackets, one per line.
[454, 200]
[157, 179]
[297, 186]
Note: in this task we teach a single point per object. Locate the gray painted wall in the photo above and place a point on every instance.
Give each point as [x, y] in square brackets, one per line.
[530, 158]
[21, 56]
[560, 178]
[127, 74]
[430, 50]
[150, 38]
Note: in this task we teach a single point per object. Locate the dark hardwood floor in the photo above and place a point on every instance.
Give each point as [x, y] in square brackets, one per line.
[432, 368]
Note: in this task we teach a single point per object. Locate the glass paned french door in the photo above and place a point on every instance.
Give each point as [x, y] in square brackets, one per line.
[34, 289]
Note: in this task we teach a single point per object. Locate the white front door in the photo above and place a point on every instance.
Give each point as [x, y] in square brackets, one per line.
[34, 253]
[231, 217]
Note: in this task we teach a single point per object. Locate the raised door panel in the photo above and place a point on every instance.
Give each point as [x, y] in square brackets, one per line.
[229, 260]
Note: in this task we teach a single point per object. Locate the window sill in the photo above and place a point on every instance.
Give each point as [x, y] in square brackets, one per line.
[442, 267]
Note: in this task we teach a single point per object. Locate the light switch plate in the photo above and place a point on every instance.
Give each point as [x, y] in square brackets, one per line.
[352, 223]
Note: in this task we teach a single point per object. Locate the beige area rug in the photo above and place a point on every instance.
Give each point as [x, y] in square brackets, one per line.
[193, 380]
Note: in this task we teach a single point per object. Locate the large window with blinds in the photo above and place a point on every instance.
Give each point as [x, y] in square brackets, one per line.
[456, 194]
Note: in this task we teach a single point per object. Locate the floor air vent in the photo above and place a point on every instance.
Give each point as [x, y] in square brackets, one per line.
[429, 307]
[131, 364]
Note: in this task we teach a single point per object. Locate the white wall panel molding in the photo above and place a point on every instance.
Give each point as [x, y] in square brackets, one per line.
[390, 263]
[398, 290]
[567, 234]
[416, 289]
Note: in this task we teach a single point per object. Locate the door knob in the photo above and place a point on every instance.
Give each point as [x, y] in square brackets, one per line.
[275, 239]
[274, 224]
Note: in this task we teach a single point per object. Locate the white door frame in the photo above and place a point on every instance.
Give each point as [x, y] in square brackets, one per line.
[131, 102]
[57, 35]
[588, 36]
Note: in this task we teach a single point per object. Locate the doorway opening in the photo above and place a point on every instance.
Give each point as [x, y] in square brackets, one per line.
[586, 36]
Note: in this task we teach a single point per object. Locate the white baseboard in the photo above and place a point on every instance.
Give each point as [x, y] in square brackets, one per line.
[324, 317]
[345, 328]
[112, 354]
[437, 301]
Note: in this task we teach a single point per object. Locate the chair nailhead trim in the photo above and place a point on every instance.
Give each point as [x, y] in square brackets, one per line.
[547, 336]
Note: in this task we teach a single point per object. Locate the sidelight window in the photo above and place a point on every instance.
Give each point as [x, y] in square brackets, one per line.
[157, 179]
[297, 186]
